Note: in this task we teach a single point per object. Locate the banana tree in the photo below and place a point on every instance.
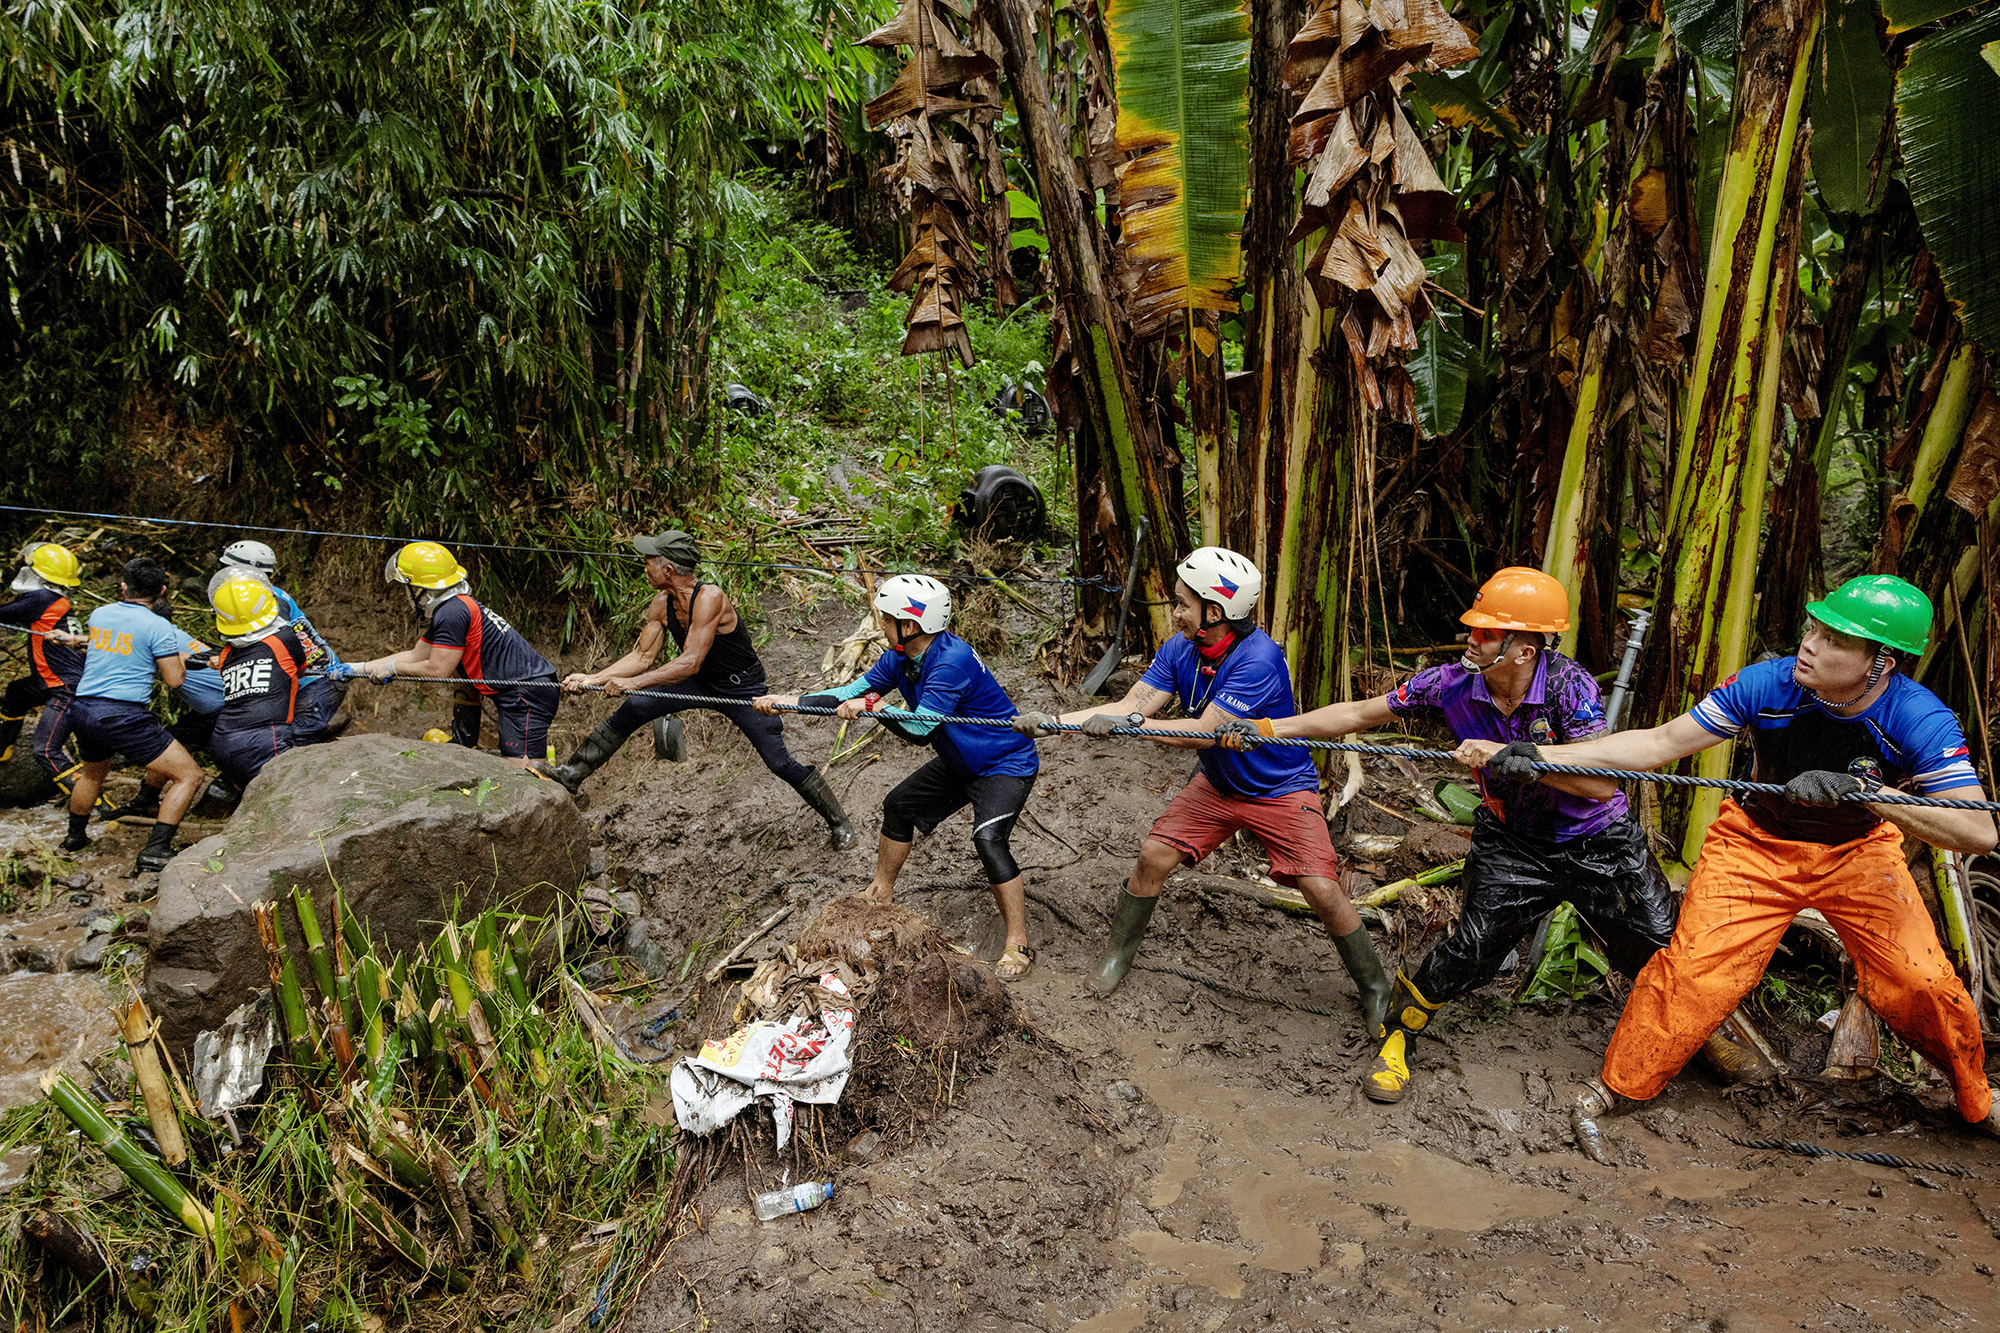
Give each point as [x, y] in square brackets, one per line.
[1183, 71]
[1715, 500]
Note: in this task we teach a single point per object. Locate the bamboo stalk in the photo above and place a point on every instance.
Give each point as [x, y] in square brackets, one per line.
[285, 984]
[1386, 894]
[140, 1167]
[136, 1026]
[385, 1224]
[322, 968]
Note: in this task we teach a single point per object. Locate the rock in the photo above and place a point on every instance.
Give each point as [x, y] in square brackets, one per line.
[23, 781]
[639, 947]
[80, 880]
[89, 955]
[863, 1148]
[405, 829]
[597, 863]
[31, 956]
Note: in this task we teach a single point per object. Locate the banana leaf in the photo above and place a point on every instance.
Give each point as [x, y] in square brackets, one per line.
[1708, 28]
[1849, 102]
[1948, 121]
[1183, 70]
[1440, 370]
[1903, 15]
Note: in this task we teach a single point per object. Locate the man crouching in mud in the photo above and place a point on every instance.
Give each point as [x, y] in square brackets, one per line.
[1838, 719]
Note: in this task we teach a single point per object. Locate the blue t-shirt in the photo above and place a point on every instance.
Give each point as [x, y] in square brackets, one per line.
[202, 691]
[950, 679]
[1252, 681]
[490, 648]
[1907, 737]
[125, 640]
[304, 628]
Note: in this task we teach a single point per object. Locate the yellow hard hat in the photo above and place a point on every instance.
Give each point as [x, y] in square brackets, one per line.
[57, 564]
[425, 565]
[243, 605]
[437, 736]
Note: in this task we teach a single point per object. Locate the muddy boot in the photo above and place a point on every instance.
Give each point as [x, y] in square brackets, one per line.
[465, 725]
[79, 836]
[10, 731]
[670, 742]
[1128, 926]
[143, 808]
[1388, 1079]
[159, 849]
[817, 792]
[590, 756]
[1358, 954]
[1594, 1101]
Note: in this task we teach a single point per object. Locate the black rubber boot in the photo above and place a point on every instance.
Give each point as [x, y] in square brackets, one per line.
[159, 849]
[590, 756]
[465, 725]
[79, 837]
[143, 808]
[1359, 955]
[1128, 926]
[817, 792]
[670, 742]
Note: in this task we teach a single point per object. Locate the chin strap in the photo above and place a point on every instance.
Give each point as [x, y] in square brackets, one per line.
[1874, 678]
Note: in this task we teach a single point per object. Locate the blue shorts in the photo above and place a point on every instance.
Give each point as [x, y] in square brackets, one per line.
[524, 714]
[107, 727]
[241, 754]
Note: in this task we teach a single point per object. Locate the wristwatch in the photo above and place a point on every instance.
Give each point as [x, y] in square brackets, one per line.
[1135, 719]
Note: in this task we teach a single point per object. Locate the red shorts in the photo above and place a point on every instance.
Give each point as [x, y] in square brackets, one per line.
[1291, 827]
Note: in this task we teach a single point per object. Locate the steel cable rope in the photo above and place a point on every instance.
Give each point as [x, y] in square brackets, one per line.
[1804, 1149]
[1101, 584]
[1298, 742]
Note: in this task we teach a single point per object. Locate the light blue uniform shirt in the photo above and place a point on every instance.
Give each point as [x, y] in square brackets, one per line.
[126, 639]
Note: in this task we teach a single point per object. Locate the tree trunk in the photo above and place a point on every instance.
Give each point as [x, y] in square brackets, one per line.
[1133, 471]
[1715, 503]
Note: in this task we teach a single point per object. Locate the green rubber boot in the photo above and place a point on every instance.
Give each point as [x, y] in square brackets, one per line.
[1128, 926]
[1358, 953]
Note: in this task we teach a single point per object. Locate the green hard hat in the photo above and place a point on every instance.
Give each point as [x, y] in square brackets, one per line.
[1880, 607]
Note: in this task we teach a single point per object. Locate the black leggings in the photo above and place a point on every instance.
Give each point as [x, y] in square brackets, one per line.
[933, 793]
[766, 734]
[1511, 881]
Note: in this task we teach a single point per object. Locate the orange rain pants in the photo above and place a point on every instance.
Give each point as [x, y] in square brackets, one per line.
[1747, 887]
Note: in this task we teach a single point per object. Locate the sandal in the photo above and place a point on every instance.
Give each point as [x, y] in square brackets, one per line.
[1015, 963]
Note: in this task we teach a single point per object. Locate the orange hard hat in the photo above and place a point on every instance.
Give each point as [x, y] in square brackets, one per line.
[1520, 598]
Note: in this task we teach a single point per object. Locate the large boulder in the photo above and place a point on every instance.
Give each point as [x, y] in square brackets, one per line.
[23, 780]
[405, 828]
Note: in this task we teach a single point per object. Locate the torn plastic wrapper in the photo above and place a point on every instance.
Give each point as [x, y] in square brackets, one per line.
[798, 1060]
[229, 1062]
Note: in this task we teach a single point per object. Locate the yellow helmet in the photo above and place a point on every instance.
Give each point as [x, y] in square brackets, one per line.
[425, 565]
[56, 564]
[243, 604]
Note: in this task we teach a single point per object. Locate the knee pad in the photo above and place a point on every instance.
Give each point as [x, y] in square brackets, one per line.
[995, 852]
[896, 825]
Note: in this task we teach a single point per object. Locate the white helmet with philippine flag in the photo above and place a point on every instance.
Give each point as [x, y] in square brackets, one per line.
[1224, 578]
[915, 597]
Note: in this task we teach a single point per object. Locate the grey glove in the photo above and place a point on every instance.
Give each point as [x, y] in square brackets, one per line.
[1817, 786]
[1037, 725]
[1238, 734]
[1515, 762]
[1100, 724]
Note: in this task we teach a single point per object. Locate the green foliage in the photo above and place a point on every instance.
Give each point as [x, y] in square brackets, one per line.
[1570, 965]
[1799, 999]
[1948, 119]
[1849, 101]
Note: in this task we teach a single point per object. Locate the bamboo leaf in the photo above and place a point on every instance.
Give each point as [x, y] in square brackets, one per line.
[1440, 369]
[1849, 101]
[1183, 69]
[1903, 15]
[1948, 122]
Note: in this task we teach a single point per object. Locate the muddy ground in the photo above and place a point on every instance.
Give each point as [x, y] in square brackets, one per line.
[1175, 1159]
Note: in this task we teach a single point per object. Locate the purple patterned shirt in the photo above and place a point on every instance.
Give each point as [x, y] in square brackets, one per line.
[1561, 706]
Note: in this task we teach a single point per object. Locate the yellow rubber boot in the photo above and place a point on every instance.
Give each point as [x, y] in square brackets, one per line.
[1388, 1078]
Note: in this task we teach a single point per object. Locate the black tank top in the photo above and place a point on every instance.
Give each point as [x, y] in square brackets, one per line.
[732, 665]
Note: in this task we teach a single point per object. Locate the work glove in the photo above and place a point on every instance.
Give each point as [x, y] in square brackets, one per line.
[1100, 724]
[1515, 762]
[381, 673]
[1037, 725]
[341, 671]
[201, 661]
[1817, 786]
[1240, 733]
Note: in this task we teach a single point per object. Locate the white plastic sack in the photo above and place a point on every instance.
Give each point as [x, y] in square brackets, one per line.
[794, 1061]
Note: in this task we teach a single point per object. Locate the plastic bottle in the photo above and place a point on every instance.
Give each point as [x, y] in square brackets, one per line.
[797, 1199]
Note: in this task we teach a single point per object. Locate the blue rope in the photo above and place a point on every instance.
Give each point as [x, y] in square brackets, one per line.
[1298, 742]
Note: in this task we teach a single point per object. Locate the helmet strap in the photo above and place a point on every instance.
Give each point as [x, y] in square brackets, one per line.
[1875, 672]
